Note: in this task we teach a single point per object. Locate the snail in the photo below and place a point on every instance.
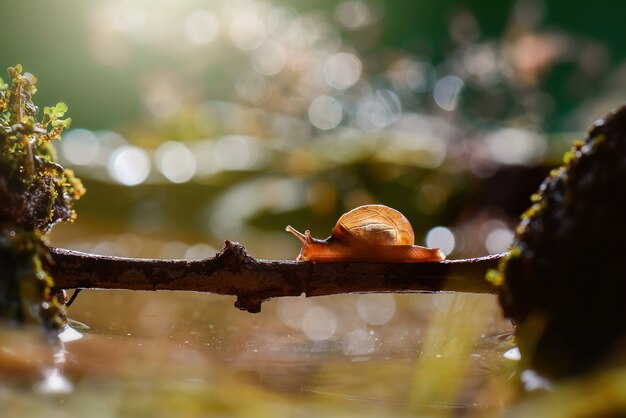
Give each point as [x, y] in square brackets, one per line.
[375, 233]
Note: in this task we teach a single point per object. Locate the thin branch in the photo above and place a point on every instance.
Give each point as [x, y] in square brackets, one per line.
[233, 272]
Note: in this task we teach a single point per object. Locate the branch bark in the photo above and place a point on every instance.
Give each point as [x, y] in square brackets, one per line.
[233, 272]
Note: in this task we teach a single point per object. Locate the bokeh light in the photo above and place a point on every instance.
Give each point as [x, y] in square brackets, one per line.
[354, 14]
[499, 240]
[80, 147]
[325, 112]
[270, 58]
[319, 323]
[378, 110]
[376, 309]
[201, 27]
[247, 31]
[342, 70]
[129, 165]
[447, 92]
[441, 237]
[236, 152]
[516, 146]
[359, 342]
[175, 161]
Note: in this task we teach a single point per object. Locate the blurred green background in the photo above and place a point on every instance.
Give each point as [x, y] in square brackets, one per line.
[62, 43]
[214, 120]
[197, 121]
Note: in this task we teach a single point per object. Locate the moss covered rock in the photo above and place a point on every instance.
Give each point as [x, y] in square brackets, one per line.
[35, 193]
[564, 282]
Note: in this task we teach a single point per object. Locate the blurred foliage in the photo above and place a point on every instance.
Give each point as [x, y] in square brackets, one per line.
[36, 193]
[430, 30]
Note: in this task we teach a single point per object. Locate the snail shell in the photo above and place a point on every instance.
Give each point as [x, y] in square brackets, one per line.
[374, 233]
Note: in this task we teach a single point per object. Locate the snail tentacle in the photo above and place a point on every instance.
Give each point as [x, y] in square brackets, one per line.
[297, 233]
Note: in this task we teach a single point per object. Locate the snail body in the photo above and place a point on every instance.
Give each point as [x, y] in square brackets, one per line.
[374, 233]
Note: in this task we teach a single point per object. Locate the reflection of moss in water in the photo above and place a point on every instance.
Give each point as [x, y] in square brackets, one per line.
[563, 283]
[36, 193]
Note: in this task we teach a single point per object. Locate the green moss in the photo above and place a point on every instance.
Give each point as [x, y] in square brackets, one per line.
[36, 193]
[494, 277]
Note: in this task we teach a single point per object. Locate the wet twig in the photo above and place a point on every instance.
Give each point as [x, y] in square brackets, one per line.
[233, 272]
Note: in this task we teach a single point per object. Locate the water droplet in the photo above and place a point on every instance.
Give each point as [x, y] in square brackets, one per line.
[54, 383]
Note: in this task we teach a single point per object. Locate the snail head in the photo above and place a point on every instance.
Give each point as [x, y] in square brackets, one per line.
[311, 245]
